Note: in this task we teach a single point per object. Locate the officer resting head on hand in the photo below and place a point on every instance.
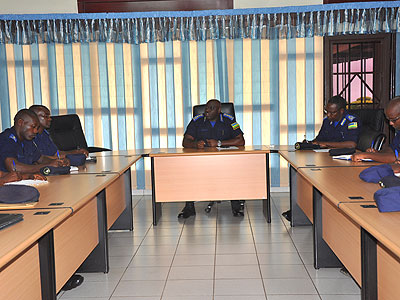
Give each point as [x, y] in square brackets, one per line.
[212, 129]
[339, 129]
[43, 140]
[391, 154]
[18, 152]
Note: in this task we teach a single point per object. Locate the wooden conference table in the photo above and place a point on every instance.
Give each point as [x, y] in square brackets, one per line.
[92, 201]
[209, 174]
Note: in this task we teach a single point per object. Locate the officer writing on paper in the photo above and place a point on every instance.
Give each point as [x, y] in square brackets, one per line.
[391, 154]
[212, 129]
[339, 128]
[43, 140]
[18, 152]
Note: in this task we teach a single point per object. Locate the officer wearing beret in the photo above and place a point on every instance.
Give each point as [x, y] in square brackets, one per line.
[43, 140]
[339, 128]
[212, 129]
[391, 154]
[18, 152]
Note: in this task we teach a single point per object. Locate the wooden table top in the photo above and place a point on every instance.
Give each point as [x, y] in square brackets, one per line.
[383, 226]
[70, 191]
[207, 151]
[18, 237]
[338, 184]
[109, 164]
[311, 159]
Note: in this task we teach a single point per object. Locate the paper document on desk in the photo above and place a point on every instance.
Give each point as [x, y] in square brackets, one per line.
[31, 182]
[348, 157]
[227, 148]
[321, 150]
[73, 169]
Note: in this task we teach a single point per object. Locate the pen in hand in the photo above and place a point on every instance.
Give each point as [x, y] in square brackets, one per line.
[14, 167]
[58, 154]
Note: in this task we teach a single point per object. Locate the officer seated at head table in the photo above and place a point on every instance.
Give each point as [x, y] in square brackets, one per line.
[212, 129]
[390, 154]
[18, 152]
[339, 129]
[43, 140]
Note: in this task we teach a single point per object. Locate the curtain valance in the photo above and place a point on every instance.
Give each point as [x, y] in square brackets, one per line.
[262, 23]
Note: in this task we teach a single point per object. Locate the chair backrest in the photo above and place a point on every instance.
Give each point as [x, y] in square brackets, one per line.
[372, 118]
[66, 132]
[370, 138]
[226, 108]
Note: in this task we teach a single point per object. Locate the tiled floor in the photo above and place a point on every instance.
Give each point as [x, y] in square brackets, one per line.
[214, 256]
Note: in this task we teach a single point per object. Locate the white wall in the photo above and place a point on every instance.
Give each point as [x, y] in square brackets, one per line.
[38, 6]
[273, 3]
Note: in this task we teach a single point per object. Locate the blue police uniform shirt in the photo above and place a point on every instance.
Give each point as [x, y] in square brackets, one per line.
[347, 129]
[25, 152]
[395, 145]
[45, 144]
[225, 128]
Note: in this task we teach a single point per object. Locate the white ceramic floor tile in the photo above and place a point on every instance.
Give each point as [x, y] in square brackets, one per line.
[293, 297]
[283, 271]
[235, 272]
[236, 259]
[151, 261]
[191, 272]
[195, 249]
[235, 239]
[156, 250]
[91, 290]
[193, 260]
[188, 288]
[135, 298]
[289, 287]
[160, 240]
[239, 287]
[279, 259]
[340, 297]
[325, 272]
[276, 248]
[203, 297]
[336, 286]
[197, 239]
[146, 273]
[139, 288]
[236, 248]
[241, 297]
[114, 274]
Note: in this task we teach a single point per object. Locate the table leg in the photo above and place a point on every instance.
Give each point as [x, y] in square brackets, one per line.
[97, 261]
[125, 220]
[47, 266]
[323, 254]
[267, 202]
[369, 290]
[157, 212]
[299, 218]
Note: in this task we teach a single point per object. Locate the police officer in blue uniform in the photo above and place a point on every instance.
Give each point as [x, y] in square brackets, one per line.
[390, 154]
[18, 152]
[43, 140]
[212, 129]
[339, 128]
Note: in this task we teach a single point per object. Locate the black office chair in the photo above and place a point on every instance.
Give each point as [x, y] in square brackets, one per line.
[66, 132]
[226, 108]
[371, 135]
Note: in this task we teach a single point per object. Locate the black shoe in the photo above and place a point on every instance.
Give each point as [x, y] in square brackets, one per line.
[73, 282]
[288, 215]
[237, 213]
[344, 271]
[187, 212]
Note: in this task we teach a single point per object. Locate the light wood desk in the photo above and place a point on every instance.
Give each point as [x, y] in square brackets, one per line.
[300, 189]
[336, 236]
[380, 255]
[184, 174]
[26, 260]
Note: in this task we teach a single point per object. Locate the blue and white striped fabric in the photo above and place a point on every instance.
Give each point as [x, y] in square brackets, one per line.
[141, 96]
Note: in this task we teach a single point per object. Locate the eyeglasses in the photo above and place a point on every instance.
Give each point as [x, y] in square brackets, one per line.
[393, 120]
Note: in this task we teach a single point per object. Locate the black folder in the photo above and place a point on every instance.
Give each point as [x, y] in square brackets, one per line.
[10, 219]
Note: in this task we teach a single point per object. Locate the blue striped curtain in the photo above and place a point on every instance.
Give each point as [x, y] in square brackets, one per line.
[141, 96]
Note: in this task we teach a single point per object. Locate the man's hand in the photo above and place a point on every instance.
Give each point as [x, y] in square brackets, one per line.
[57, 163]
[371, 150]
[321, 144]
[83, 151]
[35, 176]
[65, 162]
[396, 167]
[12, 176]
[359, 156]
[200, 144]
[212, 143]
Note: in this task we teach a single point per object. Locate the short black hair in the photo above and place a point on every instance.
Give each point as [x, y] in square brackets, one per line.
[339, 101]
[23, 113]
[37, 107]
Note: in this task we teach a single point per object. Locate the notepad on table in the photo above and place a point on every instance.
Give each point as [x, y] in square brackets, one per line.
[348, 157]
[228, 148]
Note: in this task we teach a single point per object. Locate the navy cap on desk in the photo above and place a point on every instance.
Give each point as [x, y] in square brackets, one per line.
[14, 194]
[388, 199]
[50, 170]
[376, 173]
[76, 160]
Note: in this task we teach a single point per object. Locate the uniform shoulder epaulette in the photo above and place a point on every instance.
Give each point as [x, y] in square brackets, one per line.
[197, 117]
[350, 118]
[230, 117]
[13, 137]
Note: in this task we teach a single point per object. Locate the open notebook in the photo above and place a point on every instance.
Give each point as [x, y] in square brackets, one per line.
[9, 219]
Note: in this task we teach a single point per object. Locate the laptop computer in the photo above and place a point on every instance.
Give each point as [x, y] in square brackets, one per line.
[7, 220]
